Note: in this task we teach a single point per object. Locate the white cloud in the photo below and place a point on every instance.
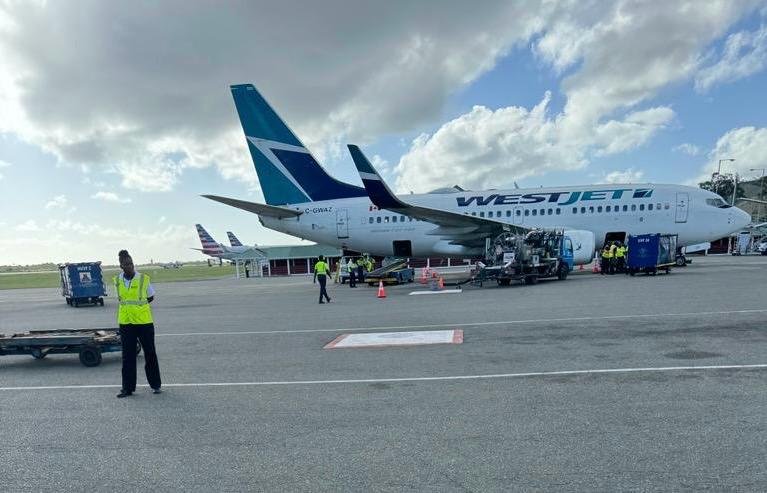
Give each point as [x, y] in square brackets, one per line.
[30, 225]
[744, 54]
[747, 145]
[625, 176]
[3, 164]
[687, 148]
[57, 202]
[485, 148]
[110, 197]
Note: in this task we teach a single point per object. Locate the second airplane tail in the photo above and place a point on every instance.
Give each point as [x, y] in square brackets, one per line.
[233, 239]
[287, 171]
[209, 245]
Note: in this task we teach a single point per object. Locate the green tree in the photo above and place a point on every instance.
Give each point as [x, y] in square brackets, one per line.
[723, 185]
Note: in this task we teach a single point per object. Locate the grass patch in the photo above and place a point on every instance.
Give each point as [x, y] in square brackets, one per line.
[158, 274]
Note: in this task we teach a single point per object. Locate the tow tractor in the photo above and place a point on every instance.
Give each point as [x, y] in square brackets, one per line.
[538, 254]
[395, 271]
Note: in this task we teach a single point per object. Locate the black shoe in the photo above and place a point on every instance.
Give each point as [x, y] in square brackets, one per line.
[124, 393]
[322, 302]
[157, 391]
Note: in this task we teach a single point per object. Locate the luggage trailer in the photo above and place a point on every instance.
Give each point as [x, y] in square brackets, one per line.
[89, 344]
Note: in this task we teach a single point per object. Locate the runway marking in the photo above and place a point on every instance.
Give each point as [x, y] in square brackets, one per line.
[413, 379]
[462, 324]
[444, 291]
[390, 339]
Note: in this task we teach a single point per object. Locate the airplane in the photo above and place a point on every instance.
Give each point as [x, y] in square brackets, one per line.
[220, 251]
[303, 200]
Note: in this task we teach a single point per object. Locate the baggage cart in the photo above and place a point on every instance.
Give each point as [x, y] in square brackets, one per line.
[89, 344]
[651, 253]
[82, 283]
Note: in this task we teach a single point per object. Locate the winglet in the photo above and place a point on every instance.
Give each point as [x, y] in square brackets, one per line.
[377, 190]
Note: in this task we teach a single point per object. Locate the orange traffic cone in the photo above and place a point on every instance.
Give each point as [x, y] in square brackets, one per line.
[441, 284]
[423, 275]
[381, 292]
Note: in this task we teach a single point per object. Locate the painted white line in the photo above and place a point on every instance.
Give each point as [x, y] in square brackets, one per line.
[464, 324]
[444, 291]
[415, 379]
[389, 339]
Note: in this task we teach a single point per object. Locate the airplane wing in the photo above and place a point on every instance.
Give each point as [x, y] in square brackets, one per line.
[256, 208]
[461, 229]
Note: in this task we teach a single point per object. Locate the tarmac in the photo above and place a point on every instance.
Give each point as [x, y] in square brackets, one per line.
[607, 383]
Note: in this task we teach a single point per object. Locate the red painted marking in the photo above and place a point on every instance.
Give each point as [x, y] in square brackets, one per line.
[332, 344]
[457, 339]
[458, 336]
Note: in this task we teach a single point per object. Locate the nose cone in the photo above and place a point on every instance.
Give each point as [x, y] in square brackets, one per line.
[742, 218]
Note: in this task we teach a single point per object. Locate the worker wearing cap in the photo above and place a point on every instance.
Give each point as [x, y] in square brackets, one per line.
[321, 269]
[134, 315]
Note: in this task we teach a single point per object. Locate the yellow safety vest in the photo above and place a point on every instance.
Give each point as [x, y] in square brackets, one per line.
[607, 253]
[133, 306]
[321, 268]
[620, 252]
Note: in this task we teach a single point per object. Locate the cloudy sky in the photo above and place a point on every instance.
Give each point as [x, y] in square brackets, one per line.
[115, 116]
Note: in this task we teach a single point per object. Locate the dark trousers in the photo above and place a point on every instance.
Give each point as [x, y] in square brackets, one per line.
[352, 279]
[361, 274]
[129, 335]
[323, 280]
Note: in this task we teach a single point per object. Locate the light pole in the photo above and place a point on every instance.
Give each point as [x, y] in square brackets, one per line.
[761, 181]
[719, 172]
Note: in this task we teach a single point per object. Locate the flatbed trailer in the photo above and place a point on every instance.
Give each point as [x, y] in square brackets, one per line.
[89, 344]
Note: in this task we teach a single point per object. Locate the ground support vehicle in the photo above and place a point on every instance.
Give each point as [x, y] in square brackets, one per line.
[396, 271]
[650, 253]
[536, 255]
[82, 283]
[89, 344]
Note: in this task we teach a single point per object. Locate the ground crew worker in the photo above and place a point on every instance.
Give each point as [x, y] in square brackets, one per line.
[605, 260]
[620, 257]
[361, 269]
[134, 315]
[612, 257]
[350, 268]
[369, 264]
[321, 269]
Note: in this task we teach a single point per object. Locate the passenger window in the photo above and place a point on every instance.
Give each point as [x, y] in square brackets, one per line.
[559, 211]
[608, 209]
[394, 219]
[378, 219]
[657, 206]
[649, 207]
[625, 208]
[641, 207]
[519, 212]
[591, 209]
[473, 213]
[535, 212]
[386, 219]
[599, 209]
[583, 210]
[551, 211]
[575, 210]
[666, 206]
[527, 212]
[633, 207]
[508, 213]
[543, 212]
[370, 220]
[402, 219]
[482, 214]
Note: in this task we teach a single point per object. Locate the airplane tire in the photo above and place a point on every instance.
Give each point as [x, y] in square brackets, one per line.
[530, 280]
[562, 272]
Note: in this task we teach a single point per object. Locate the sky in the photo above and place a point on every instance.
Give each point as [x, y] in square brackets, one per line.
[116, 116]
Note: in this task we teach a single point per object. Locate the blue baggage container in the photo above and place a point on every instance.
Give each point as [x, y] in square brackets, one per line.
[651, 252]
[82, 283]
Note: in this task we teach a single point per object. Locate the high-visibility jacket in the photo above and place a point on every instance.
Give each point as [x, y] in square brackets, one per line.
[133, 306]
[607, 253]
[321, 268]
[620, 252]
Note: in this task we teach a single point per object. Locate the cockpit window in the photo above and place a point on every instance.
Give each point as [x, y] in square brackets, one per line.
[717, 202]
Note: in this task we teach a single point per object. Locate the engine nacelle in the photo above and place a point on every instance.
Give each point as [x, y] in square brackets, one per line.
[583, 245]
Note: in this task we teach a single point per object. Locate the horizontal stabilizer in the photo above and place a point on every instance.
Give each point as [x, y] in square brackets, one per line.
[256, 208]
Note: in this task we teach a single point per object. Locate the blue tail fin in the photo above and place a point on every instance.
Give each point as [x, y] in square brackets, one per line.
[287, 171]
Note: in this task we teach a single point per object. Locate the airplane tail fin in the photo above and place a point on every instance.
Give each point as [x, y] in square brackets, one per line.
[233, 239]
[287, 171]
[209, 245]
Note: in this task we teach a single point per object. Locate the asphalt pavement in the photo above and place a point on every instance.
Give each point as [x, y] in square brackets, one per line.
[606, 383]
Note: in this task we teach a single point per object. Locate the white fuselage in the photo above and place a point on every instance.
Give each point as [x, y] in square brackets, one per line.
[355, 224]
